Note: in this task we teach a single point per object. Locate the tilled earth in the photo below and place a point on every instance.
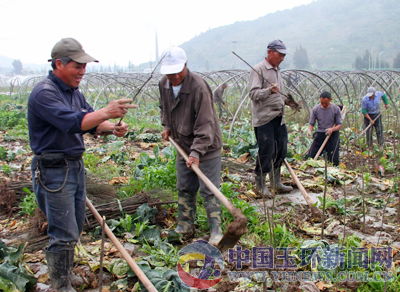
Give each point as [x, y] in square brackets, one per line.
[371, 213]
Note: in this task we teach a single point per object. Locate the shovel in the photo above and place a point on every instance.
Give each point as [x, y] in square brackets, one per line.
[236, 228]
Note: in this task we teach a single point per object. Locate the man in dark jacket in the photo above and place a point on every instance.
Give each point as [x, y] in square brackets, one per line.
[58, 116]
[188, 116]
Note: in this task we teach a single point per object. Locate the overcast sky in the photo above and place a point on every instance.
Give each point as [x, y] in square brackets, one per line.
[118, 31]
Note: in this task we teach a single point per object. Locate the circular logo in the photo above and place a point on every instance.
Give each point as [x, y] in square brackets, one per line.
[200, 265]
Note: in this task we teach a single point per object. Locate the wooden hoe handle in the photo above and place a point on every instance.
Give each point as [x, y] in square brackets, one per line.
[135, 268]
[327, 137]
[224, 201]
[369, 126]
[303, 191]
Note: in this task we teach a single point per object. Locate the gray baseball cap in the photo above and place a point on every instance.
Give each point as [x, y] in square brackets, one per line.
[371, 91]
[278, 46]
[71, 48]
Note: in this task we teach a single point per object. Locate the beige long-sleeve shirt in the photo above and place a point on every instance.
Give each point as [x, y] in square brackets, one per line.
[265, 105]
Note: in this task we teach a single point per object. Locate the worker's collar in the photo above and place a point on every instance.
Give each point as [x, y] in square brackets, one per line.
[185, 85]
[269, 66]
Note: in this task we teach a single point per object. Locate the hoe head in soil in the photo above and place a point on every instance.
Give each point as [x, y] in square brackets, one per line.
[234, 231]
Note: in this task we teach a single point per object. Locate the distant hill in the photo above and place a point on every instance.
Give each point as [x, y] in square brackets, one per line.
[5, 64]
[334, 33]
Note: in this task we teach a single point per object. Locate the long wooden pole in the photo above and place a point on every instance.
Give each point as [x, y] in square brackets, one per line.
[206, 180]
[369, 126]
[303, 191]
[238, 226]
[322, 146]
[135, 268]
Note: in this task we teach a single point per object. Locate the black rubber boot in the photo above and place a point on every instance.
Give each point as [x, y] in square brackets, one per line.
[276, 184]
[261, 185]
[60, 265]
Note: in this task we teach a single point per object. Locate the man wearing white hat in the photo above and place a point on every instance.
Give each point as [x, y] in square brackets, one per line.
[370, 108]
[188, 116]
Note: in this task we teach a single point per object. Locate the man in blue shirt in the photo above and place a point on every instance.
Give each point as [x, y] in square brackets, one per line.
[370, 107]
[58, 116]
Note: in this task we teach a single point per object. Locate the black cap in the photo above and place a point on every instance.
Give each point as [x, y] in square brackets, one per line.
[326, 94]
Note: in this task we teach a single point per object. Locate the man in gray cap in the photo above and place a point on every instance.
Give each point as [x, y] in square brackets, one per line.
[58, 116]
[188, 116]
[370, 108]
[268, 118]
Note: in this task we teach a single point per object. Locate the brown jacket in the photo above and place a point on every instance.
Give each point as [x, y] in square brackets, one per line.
[191, 117]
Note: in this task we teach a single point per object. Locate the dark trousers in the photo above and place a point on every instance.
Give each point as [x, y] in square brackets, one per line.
[272, 145]
[188, 184]
[331, 148]
[378, 128]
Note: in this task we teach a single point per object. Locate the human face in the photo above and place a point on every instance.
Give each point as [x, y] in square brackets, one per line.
[275, 58]
[70, 73]
[325, 102]
[177, 78]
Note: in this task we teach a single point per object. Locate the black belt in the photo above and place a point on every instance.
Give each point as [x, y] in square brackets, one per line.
[60, 156]
[73, 157]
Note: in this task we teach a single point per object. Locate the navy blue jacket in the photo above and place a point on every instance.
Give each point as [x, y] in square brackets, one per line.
[55, 113]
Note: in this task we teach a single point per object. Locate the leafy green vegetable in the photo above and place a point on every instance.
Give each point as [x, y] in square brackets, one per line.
[13, 276]
[28, 204]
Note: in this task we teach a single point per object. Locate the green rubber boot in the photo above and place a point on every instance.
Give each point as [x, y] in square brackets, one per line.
[186, 214]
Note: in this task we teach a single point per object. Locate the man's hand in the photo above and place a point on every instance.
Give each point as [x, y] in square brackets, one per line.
[329, 131]
[371, 121]
[274, 88]
[192, 160]
[309, 132]
[120, 129]
[386, 106]
[118, 108]
[115, 109]
[165, 134]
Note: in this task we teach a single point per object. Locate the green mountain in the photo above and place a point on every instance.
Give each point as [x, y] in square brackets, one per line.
[333, 32]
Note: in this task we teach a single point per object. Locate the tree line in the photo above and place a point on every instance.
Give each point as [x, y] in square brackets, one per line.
[368, 61]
